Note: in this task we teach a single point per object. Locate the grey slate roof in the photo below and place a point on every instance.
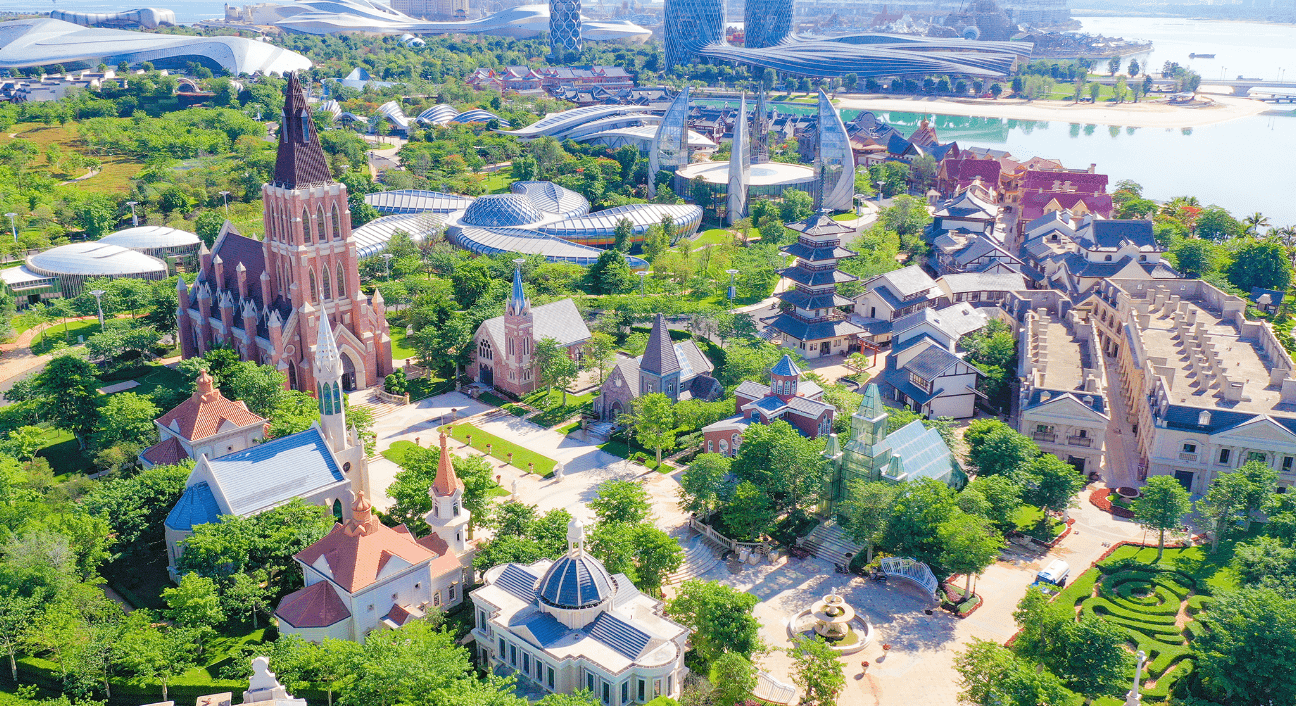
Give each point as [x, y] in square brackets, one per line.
[659, 357]
[932, 363]
[558, 320]
[820, 254]
[816, 278]
[785, 367]
[276, 471]
[806, 300]
[1098, 403]
[1097, 233]
[808, 407]
[984, 282]
[816, 331]
[908, 281]
[981, 247]
[576, 582]
[752, 390]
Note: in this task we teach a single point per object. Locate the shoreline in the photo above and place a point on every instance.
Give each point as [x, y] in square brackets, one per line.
[1147, 115]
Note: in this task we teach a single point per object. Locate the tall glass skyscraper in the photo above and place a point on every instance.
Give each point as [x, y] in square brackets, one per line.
[564, 27]
[691, 25]
[766, 22]
[834, 161]
[739, 167]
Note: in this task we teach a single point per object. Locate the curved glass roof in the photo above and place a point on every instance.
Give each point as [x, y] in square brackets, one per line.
[501, 211]
[576, 582]
[489, 241]
[640, 215]
[371, 238]
[416, 201]
[94, 259]
[555, 123]
[148, 237]
[838, 58]
[549, 197]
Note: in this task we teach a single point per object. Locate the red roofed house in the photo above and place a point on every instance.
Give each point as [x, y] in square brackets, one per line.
[1042, 192]
[366, 576]
[205, 424]
[957, 175]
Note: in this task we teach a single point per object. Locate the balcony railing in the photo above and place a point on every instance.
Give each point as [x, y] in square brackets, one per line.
[1045, 436]
[1085, 441]
[1187, 456]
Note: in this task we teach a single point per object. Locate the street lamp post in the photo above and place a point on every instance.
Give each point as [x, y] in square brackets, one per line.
[643, 274]
[879, 185]
[13, 225]
[387, 258]
[1133, 697]
[134, 218]
[98, 295]
[733, 290]
[225, 199]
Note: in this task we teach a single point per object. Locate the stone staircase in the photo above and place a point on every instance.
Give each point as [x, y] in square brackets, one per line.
[700, 556]
[829, 542]
[377, 406]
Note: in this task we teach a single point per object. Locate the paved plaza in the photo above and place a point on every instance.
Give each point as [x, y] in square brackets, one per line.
[918, 669]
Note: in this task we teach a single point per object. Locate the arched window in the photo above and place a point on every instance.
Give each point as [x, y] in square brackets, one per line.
[337, 510]
[328, 284]
[337, 224]
[314, 290]
[285, 228]
[320, 236]
[341, 282]
[337, 398]
[484, 350]
[306, 236]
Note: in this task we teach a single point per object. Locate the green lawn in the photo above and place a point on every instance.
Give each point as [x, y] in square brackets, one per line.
[396, 454]
[499, 182]
[849, 216]
[552, 411]
[714, 236]
[63, 453]
[400, 349]
[491, 398]
[44, 341]
[522, 458]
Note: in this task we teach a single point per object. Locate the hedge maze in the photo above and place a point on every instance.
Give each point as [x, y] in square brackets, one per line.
[1156, 605]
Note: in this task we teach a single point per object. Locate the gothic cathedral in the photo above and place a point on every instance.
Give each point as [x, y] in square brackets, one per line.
[266, 299]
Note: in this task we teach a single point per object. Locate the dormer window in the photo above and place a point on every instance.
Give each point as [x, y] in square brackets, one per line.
[1108, 258]
[1203, 419]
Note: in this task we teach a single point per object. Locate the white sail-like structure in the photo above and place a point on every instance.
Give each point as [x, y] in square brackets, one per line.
[670, 144]
[834, 161]
[739, 167]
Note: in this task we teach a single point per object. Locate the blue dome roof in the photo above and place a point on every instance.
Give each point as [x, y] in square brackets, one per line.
[501, 211]
[576, 582]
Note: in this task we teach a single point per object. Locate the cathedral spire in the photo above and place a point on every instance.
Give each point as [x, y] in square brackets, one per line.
[518, 304]
[446, 482]
[328, 385]
[300, 161]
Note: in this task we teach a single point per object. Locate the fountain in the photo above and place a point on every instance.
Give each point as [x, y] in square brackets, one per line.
[832, 617]
[835, 621]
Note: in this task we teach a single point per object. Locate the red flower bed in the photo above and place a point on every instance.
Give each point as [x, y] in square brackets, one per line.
[1099, 500]
[1058, 539]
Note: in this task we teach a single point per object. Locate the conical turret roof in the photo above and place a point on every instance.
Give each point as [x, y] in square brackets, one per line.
[659, 358]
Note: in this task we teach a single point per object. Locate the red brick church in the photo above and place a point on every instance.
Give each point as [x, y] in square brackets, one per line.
[264, 298]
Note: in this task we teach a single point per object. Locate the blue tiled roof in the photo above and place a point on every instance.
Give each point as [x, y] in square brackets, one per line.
[545, 628]
[621, 636]
[1099, 403]
[813, 331]
[196, 507]
[932, 363]
[769, 404]
[785, 367]
[518, 581]
[576, 582]
[1187, 418]
[268, 474]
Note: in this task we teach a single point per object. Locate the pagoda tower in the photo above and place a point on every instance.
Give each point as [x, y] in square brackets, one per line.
[812, 321]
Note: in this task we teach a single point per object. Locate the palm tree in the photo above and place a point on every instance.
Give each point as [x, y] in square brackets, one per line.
[1255, 222]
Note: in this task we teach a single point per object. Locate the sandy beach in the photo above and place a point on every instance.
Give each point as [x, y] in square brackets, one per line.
[1161, 115]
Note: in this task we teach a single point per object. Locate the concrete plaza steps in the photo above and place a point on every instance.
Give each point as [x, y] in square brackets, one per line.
[829, 542]
[700, 556]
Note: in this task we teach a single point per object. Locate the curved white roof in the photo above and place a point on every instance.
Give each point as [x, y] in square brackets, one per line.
[148, 237]
[148, 17]
[44, 41]
[439, 114]
[642, 135]
[371, 238]
[416, 201]
[767, 174]
[523, 22]
[94, 259]
[642, 216]
[552, 198]
[487, 241]
[555, 124]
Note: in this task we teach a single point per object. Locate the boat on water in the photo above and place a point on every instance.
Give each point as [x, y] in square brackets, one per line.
[1195, 55]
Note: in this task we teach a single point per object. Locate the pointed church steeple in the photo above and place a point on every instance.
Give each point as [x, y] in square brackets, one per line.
[448, 518]
[300, 161]
[328, 385]
[518, 304]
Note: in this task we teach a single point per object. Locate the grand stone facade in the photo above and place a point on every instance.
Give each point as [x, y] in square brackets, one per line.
[265, 299]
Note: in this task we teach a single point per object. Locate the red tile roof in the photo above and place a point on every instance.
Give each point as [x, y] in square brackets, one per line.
[1084, 182]
[446, 481]
[965, 170]
[203, 414]
[165, 453]
[1033, 205]
[358, 551]
[316, 606]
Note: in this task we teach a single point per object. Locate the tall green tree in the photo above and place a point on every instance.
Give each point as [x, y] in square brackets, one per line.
[126, 418]
[920, 508]
[153, 655]
[621, 502]
[816, 669]
[611, 274]
[599, 353]
[1162, 507]
[991, 675]
[1223, 505]
[867, 511]
[1261, 263]
[653, 422]
[703, 485]
[784, 464]
[67, 392]
[734, 677]
[410, 488]
[1051, 483]
[1247, 653]
[195, 604]
[971, 546]
[721, 619]
[555, 365]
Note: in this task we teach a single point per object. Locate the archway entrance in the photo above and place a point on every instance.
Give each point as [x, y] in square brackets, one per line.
[348, 373]
[485, 376]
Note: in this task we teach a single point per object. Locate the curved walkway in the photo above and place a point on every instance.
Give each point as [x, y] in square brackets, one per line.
[17, 359]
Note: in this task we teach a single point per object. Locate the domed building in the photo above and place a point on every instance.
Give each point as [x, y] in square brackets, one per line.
[567, 625]
[162, 242]
[75, 263]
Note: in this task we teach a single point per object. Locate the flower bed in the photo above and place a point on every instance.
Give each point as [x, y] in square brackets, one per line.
[1100, 498]
[952, 599]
